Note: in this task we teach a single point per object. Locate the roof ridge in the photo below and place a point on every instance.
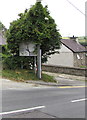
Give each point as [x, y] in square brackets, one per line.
[73, 45]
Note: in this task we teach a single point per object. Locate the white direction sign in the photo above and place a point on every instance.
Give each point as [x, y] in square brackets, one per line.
[27, 49]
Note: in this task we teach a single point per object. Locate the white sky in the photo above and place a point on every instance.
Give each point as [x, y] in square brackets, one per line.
[69, 20]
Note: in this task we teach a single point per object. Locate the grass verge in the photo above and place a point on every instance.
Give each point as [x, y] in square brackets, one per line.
[23, 75]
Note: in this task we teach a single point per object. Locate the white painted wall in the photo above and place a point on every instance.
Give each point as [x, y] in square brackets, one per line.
[64, 58]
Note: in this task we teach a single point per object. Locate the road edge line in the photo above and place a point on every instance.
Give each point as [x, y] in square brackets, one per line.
[22, 110]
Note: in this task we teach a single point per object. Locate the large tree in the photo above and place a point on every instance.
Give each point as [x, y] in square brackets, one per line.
[34, 25]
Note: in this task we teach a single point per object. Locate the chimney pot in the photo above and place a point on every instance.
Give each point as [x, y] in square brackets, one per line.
[74, 38]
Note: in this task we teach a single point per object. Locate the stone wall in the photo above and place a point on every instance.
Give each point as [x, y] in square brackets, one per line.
[79, 59]
[65, 70]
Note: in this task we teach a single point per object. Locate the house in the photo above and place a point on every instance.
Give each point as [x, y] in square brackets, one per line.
[2, 39]
[71, 54]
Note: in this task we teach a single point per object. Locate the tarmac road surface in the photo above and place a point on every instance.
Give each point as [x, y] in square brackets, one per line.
[44, 103]
[25, 100]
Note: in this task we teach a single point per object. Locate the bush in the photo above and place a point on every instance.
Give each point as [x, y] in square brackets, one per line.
[14, 62]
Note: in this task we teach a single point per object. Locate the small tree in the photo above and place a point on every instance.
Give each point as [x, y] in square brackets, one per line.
[34, 25]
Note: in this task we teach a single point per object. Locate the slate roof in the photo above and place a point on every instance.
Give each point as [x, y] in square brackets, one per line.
[73, 45]
[2, 39]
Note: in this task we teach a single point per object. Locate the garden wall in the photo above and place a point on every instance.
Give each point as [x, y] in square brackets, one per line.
[65, 70]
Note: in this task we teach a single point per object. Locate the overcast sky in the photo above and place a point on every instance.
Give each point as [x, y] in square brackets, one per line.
[69, 20]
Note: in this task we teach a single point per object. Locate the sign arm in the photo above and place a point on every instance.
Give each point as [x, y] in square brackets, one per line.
[28, 50]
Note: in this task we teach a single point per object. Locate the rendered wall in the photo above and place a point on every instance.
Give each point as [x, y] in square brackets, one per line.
[63, 58]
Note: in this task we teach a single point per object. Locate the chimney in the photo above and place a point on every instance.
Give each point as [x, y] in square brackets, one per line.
[75, 39]
[38, 0]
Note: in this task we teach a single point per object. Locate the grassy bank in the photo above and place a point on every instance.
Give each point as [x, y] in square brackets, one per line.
[22, 75]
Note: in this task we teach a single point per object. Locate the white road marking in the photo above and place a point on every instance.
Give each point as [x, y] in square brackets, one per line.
[79, 100]
[22, 110]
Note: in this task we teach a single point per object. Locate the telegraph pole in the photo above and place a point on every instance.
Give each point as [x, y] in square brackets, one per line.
[35, 69]
[38, 57]
[86, 18]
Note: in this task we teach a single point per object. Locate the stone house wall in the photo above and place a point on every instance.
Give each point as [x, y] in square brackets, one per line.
[67, 58]
[79, 59]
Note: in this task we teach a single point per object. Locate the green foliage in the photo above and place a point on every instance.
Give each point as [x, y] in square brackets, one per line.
[1, 25]
[83, 40]
[48, 78]
[2, 28]
[34, 25]
[14, 62]
[5, 55]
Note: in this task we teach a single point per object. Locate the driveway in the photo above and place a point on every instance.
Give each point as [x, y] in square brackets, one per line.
[68, 80]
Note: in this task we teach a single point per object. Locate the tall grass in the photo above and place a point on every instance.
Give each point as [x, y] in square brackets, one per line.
[22, 75]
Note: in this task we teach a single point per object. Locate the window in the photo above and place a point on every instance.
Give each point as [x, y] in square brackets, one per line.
[78, 57]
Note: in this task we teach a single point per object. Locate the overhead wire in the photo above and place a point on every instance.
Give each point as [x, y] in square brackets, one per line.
[76, 7]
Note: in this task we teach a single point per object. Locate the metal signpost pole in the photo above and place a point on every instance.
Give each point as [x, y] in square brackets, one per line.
[39, 62]
[35, 64]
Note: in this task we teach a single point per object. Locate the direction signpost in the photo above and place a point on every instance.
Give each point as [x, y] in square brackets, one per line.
[28, 49]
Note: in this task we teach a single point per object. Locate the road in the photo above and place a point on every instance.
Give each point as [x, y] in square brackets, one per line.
[47, 102]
